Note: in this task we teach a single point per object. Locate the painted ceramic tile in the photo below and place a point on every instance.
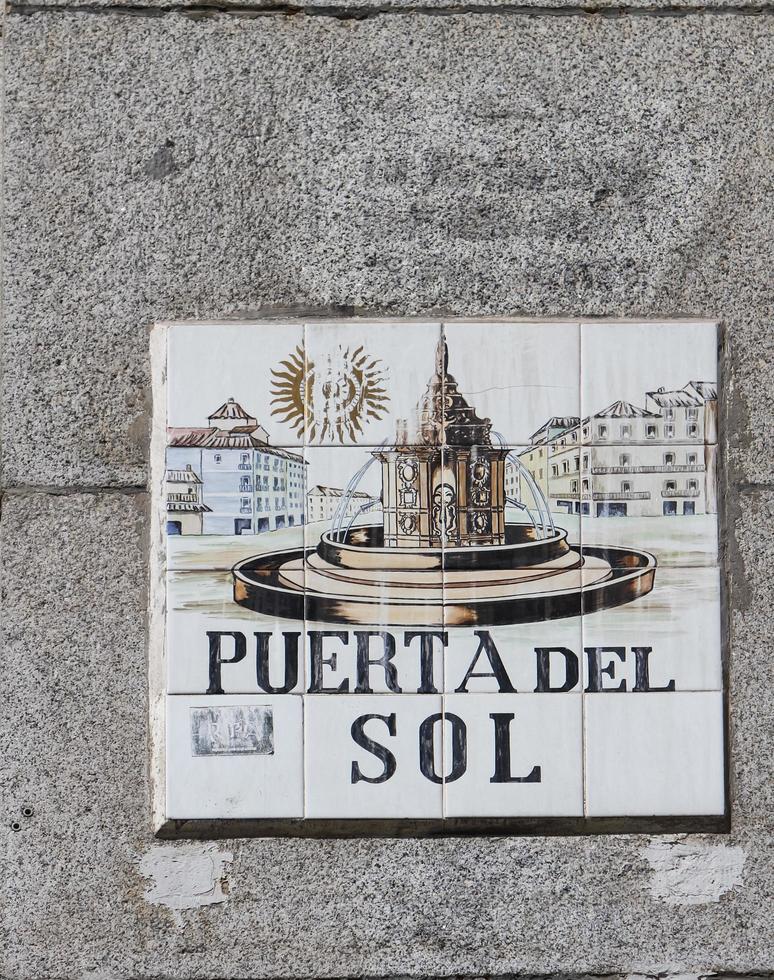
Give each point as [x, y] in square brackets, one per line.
[374, 538]
[363, 381]
[523, 755]
[226, 384]
[435, 558]
[216, 646]
[377, 757]
[234, 757]
[524, 378]
[659, 497]
[668, 639]
[654, 754]
[649, 382]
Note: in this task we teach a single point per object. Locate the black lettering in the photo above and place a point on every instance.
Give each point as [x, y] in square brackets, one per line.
[216, 657]
[380, 751]
[426, 673]
[544, 670]
[498, 671]
[262, 644]
[317, 662]
[596, 670]
[502, 753]
[642, 671]
[364, 661]
[427, 747]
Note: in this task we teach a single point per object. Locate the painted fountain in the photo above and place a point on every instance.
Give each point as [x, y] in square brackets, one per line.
[444, 551]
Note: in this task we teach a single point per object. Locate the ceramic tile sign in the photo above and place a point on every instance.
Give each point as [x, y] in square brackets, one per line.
[441, 573]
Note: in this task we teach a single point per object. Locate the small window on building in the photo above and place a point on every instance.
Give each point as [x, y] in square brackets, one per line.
[574, 486]
[669, 413]
[602, 431]
[651, 432]
[624, 459]
[691, 459]
[692, 413]
[626, 432]
[626, 486]
[245, 457]
[669, 431]
[693, 430]
[244, 483]
[669, 459]
[585, 485]
[565, 466]
[244, 505]
[554, 470]
[670, 486]
[693, 486]
[217, 457]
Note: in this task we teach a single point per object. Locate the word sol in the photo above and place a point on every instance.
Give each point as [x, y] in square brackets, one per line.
[429, 730]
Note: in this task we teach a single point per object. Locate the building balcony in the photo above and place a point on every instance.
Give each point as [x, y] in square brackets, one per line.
[182, 498]
[622, 495]
[661, 468]
[679, 493]
[244, 466]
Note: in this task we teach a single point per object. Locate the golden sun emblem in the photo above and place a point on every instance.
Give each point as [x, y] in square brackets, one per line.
[333, 400]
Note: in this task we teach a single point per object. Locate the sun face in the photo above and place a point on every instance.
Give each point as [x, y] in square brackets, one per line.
[332, 400]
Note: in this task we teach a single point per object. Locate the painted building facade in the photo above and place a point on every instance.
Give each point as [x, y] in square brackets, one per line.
[247, 486]
[629, 461]
[322, 503]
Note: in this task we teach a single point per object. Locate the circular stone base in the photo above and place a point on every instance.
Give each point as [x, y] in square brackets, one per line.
[359, 583]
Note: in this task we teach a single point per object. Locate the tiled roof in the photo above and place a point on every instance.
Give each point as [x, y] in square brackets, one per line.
[707, 390]
[561, 422]
[239, 438]
[674, 399]
[625, 410]
[320, 491]
[230, 410]
[182, 476]
[180, 507]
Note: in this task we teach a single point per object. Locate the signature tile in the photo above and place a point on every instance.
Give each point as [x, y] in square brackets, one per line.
[234, 757]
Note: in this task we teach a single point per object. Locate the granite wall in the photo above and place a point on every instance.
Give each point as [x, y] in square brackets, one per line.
[191, 160]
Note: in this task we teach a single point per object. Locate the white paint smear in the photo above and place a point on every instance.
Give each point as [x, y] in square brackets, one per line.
[185, 876]
[693, 873]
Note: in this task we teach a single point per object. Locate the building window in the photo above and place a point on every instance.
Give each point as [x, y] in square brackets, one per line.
[554, 470]
[585, 431]
[693, 430]
[626, 432]
[565, 466]
[691, 458]
[693, 486]
[670, 486]
[244, 505]
[669, 459]
[626, 486]
[669, 413]
[692, 413]
[602, 431]
[217, 457]
[574, 486]
[540, 473]
[651, 432]
[624, 459]
[576, 461]
[245, 458]
[669, 431]
[586, 462]
[585, 485]
[244, 483]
